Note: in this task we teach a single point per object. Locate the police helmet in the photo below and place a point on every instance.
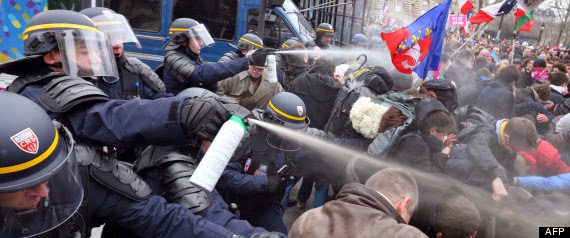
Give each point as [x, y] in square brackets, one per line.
[184, 29]
[359, 40]
[249, 42]
[375, 42]
[85, 50]
[288, 110]
[34, 151]
[41, 31]
[112, 23]
[324, 29]
[195, 92]
[288, 43]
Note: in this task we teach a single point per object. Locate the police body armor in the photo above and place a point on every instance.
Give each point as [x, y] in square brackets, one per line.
[175, 169]
[94, 165]
[182, 64]
[133, 74]
[260, 162]
[229, 56]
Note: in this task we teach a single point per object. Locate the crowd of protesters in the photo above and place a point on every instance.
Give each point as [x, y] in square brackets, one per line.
[478, 148]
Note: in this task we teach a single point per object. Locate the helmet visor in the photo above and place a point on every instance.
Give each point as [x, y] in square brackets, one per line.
[27, 213]
[118, 28]
[284, 139]
[86, 54]
[200, 34]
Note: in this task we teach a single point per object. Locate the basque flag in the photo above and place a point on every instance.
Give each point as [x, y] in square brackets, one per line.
[417, 47]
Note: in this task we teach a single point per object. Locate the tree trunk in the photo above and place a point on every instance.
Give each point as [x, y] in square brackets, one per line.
[563, 25]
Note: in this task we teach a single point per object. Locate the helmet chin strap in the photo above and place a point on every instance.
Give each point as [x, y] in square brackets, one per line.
[58, 65]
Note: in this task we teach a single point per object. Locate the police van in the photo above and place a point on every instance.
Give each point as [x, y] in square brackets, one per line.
[226, 21]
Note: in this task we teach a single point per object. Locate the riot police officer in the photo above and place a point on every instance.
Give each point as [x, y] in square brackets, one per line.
[288, 43]
[359, 41]
[61, 46]
[52, 187]
[136, 79]
[325, 35]
[376, 43]
[245, 44]
[167, 169]
[183, 67]
[256, 179]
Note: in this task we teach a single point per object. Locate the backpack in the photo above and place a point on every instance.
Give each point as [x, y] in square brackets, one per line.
[445, 91]
[474, 117]
[368, 82]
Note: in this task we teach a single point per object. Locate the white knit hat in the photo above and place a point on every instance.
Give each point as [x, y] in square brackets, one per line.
[366, 116]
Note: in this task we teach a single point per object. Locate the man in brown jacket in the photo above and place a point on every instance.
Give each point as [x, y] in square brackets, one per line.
[380, 208]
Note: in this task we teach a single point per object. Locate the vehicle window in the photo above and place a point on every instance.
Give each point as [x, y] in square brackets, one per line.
[276, 31]
[218, 16]
[73, 5]
[143, 15]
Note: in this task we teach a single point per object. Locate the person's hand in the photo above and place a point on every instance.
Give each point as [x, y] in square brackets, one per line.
[451, 138]
[258, 57]
[446, 150]
[203, 117]
[274, 184]
[548, 105]
[317, 51]
[499, 190]
[541, 118]
[339, 78]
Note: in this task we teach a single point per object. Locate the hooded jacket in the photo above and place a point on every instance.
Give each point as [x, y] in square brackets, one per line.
[497, 99]
[358, 212]
[418, 150]
[318, 90]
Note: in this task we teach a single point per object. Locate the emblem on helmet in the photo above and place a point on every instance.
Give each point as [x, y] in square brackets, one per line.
[300, 110]
[108, 14]
[26, 140]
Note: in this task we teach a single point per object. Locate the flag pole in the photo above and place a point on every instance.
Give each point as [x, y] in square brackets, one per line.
[469, 39]
[513, 47]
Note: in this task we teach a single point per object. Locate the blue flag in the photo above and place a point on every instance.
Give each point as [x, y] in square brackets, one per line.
[507, 6]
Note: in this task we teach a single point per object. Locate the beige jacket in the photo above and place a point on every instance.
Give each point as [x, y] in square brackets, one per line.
[240, 87]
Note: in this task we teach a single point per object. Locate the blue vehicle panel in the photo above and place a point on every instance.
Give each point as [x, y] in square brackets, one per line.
[226, 21]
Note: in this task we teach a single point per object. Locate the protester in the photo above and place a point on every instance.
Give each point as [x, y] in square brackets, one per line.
[383, 205]
[540, 156]
[250, 88]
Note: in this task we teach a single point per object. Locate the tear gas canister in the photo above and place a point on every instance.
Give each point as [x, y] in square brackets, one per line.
[218, 155]
[271, 69]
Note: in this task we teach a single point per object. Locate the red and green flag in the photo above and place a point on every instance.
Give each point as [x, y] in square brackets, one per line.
[524, 20]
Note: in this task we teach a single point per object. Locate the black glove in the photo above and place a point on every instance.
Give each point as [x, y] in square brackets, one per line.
[274, 184]
[259, 57]
[203, 117]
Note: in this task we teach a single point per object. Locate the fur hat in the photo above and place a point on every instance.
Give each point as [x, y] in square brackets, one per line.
[366, 116]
